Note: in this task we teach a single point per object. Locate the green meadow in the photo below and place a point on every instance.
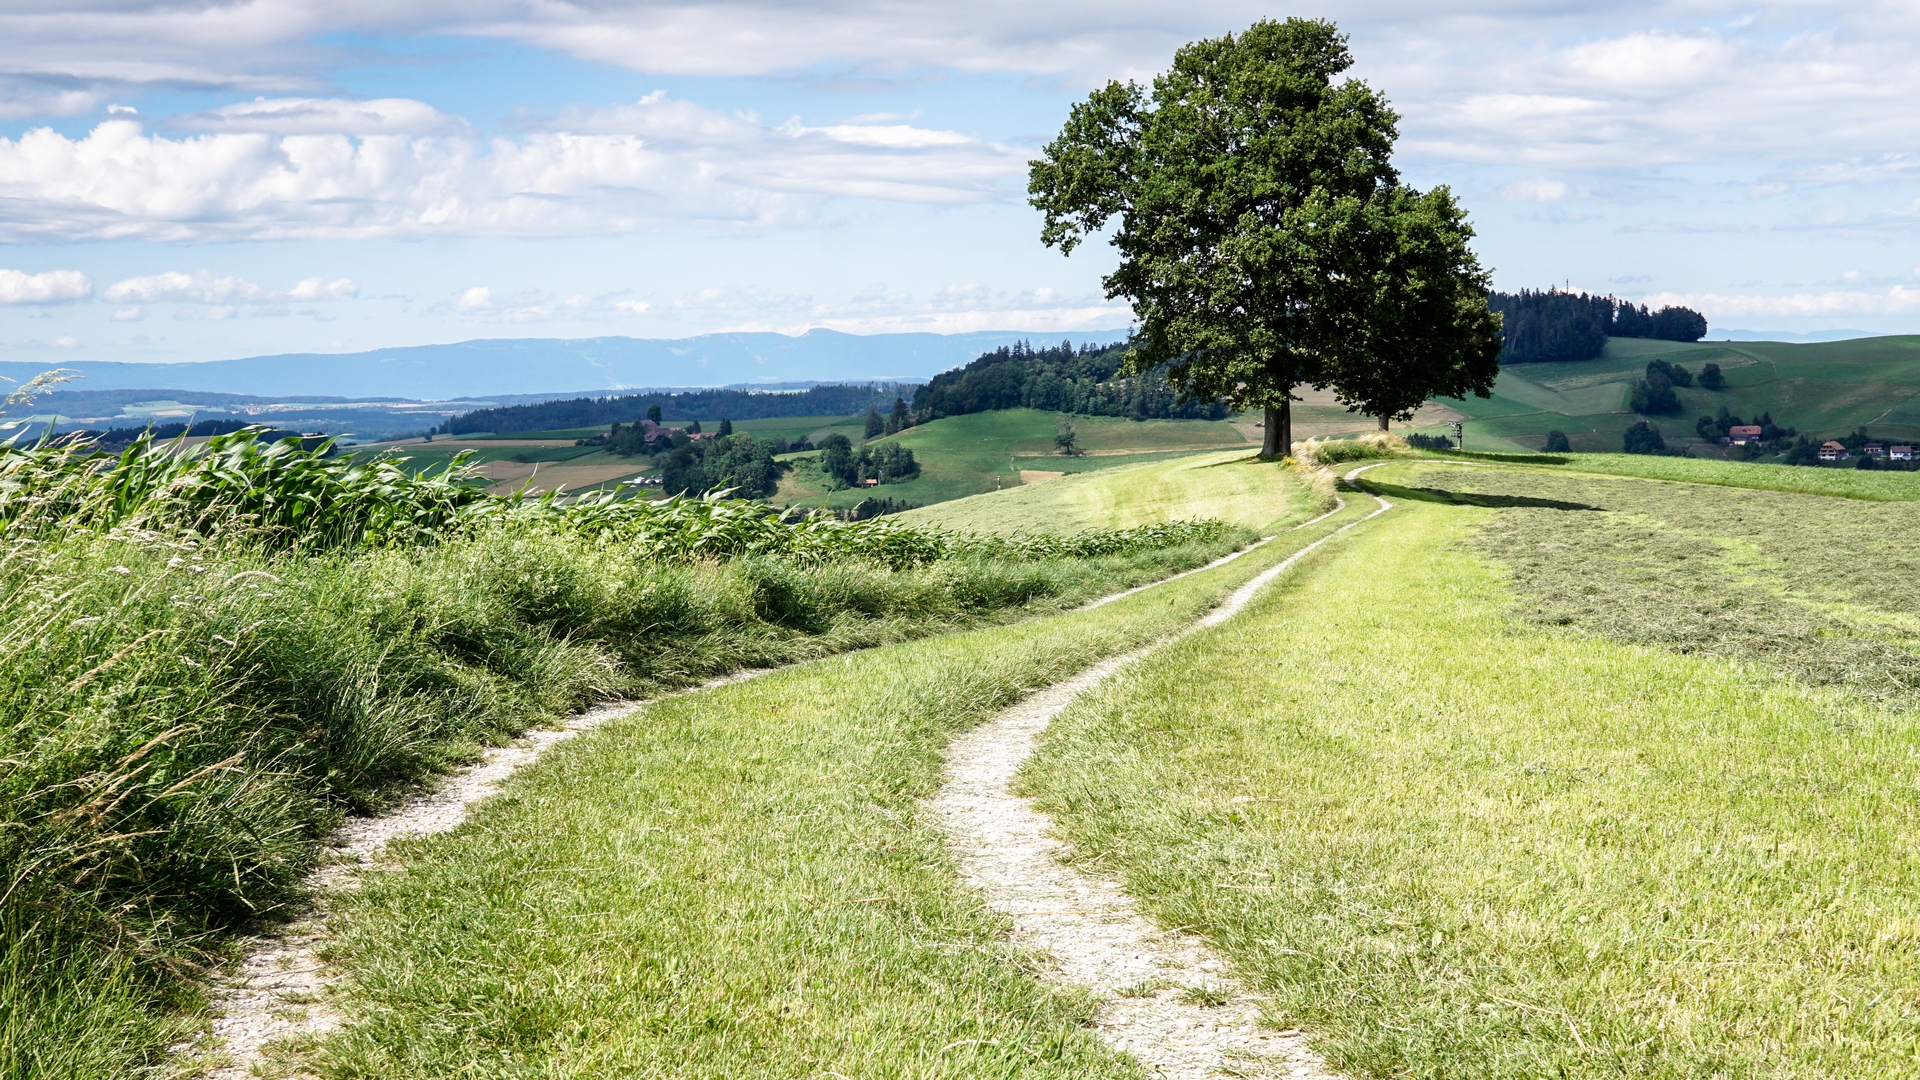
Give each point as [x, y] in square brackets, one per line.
[1824, 389]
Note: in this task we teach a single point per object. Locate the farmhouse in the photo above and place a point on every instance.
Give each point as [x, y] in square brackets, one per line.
[1744, 434]
[1832, 451]
[1874, 449]
[1901, 453]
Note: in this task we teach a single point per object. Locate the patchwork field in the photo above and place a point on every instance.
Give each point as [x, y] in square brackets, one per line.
[1822, 389]
[981, 452]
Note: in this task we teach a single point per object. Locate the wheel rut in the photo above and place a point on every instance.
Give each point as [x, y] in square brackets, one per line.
[1168, 998]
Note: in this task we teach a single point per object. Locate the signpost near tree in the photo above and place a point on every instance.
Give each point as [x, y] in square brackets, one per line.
[1265, 239]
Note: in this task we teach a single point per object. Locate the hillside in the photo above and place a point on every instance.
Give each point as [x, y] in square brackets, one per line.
[1823, 389]
[991, 451]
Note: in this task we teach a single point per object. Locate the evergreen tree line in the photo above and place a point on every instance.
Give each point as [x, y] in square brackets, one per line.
[1083, 380]
[1556, 325]
[838, 399]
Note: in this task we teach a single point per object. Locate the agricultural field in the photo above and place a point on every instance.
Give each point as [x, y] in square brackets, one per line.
[1579, 766]
[980, 452]
[1557, 774]
[1234, 486]
[220, 652]
[1824, 389]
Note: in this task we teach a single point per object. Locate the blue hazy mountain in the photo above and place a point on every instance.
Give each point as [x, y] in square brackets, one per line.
[476, 369]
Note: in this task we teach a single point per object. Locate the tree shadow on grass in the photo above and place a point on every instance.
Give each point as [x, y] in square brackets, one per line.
[1469, 498]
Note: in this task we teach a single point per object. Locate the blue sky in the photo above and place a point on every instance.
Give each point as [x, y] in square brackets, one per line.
[200, 180]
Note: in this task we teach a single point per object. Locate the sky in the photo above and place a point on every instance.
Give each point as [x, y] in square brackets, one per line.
[202, 179]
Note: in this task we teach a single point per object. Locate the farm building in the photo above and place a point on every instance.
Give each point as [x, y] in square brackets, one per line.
[1901, 453]
[1832, 451]
[1744, 434]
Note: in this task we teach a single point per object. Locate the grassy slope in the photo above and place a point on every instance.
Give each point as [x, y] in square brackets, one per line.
[966, 455]
[1232, 486]
[737, 883]
[1495, 850]
[1827, 388]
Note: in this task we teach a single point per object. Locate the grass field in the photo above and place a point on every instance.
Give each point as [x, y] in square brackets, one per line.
[1823, 389]
[1233, 486]
[1554, 776]
[982, 452]
[737, 883]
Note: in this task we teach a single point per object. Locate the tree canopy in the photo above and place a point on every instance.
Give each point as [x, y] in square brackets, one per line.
[1257, 213]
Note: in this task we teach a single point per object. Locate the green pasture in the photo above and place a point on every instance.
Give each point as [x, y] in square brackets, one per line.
[1824, 389]
[1543, 775]
[984, 452]
[738, 882]
[1233, 486]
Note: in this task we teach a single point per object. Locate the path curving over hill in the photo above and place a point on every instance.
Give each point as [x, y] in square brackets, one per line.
[1168, 998]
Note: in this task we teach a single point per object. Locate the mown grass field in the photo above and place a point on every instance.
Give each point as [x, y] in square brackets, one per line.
[1823, 389]
[1553, 775]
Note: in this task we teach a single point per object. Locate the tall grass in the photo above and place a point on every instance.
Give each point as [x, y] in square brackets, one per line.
[212, 653]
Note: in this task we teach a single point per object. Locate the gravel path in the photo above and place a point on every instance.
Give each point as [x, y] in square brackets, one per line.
[277, 990]
[1169, 999]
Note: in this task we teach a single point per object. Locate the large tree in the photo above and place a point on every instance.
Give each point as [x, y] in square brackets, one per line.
[1250, 187]
[1410, 300]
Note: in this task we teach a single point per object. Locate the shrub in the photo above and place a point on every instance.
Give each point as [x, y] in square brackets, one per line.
[1644, 438]
[1557, 443]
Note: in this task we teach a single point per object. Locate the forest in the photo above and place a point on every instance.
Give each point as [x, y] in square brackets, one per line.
[836, 399]
[1556, 325]
[1085, 381]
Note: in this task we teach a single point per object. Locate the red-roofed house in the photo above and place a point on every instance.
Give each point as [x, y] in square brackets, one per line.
[1832, 451]
[1901, 453]
[1744, 434]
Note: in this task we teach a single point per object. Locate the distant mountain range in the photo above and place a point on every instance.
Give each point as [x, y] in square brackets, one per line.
[520, 366]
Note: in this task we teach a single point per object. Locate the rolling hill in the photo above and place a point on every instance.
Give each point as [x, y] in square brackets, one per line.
[1824, 389]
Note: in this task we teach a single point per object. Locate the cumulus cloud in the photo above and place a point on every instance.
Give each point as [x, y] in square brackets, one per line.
[478, 298]
[206, 287]
[590, 173]
[49, 287]
[1657, 97]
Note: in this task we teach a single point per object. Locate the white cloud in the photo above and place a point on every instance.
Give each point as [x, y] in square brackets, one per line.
[617, 170]
[132, 314]
[1650, 98]
[219, 314]
[323, 116]
[1898, 300]
[49, 287]
[478, 298]
[205, 287]
[67, 341]
[1534, 189]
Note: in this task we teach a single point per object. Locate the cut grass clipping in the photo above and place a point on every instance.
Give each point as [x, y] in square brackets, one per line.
[195, 688]
[1453, 842]
[736, 883]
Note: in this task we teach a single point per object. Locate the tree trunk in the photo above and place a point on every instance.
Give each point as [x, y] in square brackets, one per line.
[1279, 430]
[1383, 422]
